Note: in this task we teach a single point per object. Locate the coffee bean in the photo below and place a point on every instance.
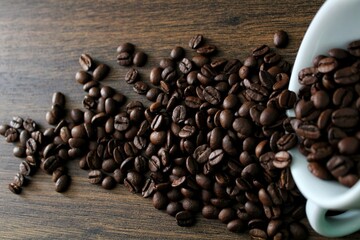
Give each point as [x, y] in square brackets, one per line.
[260, 50]
[11, 134]
[345, 117]
[177, 53]
[347, 75]
[124, 58]
[327, 64]
[206, 49]
[86, 62]
[82, 77]
[62, 183]
[155, 75]
[212, 95]
[15, 188]
[140, 87]
[108, 182]
[339, 165]
[196, 41]
[140, 59]
[184, 219]
[281, 39]
[353, 48]
[282, 159]
[185, 66]
[95, 176]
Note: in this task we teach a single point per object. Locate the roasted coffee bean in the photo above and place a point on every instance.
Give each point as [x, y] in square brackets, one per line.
[19, 151]
[353, 48]
[184, 219]
[86, 62]
[348, 146]
[16, 122]
[121, 123]
[177, 53]
[155, 75]
[185, 66]
[345, 117]
[282, 159]
[260, 50]
[193, 102]
[152, 94]
[196, 41]
[108, 182]
[15, 188]
[281, 39]
[62, 183]
[140, 87]
[82, 77]
[124, 58]
[11, 134]
[347, 75]
[29, 125]
[212, 95]
[140, 59]
[339, 165]
[51, 163]
[3, 128]
[206, 49]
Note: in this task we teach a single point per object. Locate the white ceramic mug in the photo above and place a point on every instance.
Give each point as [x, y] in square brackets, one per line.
[335, 25]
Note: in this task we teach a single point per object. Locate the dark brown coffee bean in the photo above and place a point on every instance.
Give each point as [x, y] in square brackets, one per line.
[187, 131]
[140, 87]
[308, 76]
[82, 77]
[282, 159]
[95, 176]
[51, 163]
[100, 72]
[319, 171]
[281, 39]
[193, 102]
[177, 53]
[327, 64]
[121, 123]
[343, 97]
[354, 48]
[345, 117]
[347, 75]
[140, 59]
[124, 58]
[62, 183]
[11, 134]
[16, 122]
[212, 95]
[287, 99]
[260, 50]
[348, 145]
[268, 116]
[308, 131]
[108, 182]
[185, 66]
[184, 219]
[86, 62]
[152, 94]
[3, 128]
[155, 75]
[25, 168]
[196, 41]
[216, 157]
[339, 165]
[206, 49]
[15, 188]
[158, 137]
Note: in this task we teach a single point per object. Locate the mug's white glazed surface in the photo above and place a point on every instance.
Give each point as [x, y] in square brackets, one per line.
[336, 24]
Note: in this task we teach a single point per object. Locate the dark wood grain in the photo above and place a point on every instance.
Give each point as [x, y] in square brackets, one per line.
[40, 42]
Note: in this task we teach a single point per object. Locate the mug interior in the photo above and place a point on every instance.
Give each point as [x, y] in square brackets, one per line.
[334, 26]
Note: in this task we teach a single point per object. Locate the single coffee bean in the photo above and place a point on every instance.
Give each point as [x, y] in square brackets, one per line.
[339, 165]
[140, 59]
[25, 168]
[11, 134]
[86, 62]
[196, 41]
[19, 151]
[15, 188]
[348, 145]
[184, 219]
[354, 48]
[16, 122]
[108, 182]
[3, 128]
[62, 183]
[100, 72]
[345, 117]
[177, 53]
[327, 64]
[124, 58]
[140, 87]
[82, 77]
[282, 159]
[281, 39]
[126, 47]
[132, 76]
[95, 176]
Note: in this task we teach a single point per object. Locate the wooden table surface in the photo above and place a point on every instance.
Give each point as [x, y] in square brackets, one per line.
[40, 43]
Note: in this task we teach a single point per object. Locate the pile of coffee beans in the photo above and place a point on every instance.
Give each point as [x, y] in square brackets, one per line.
[328, 117]
[213, 141]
